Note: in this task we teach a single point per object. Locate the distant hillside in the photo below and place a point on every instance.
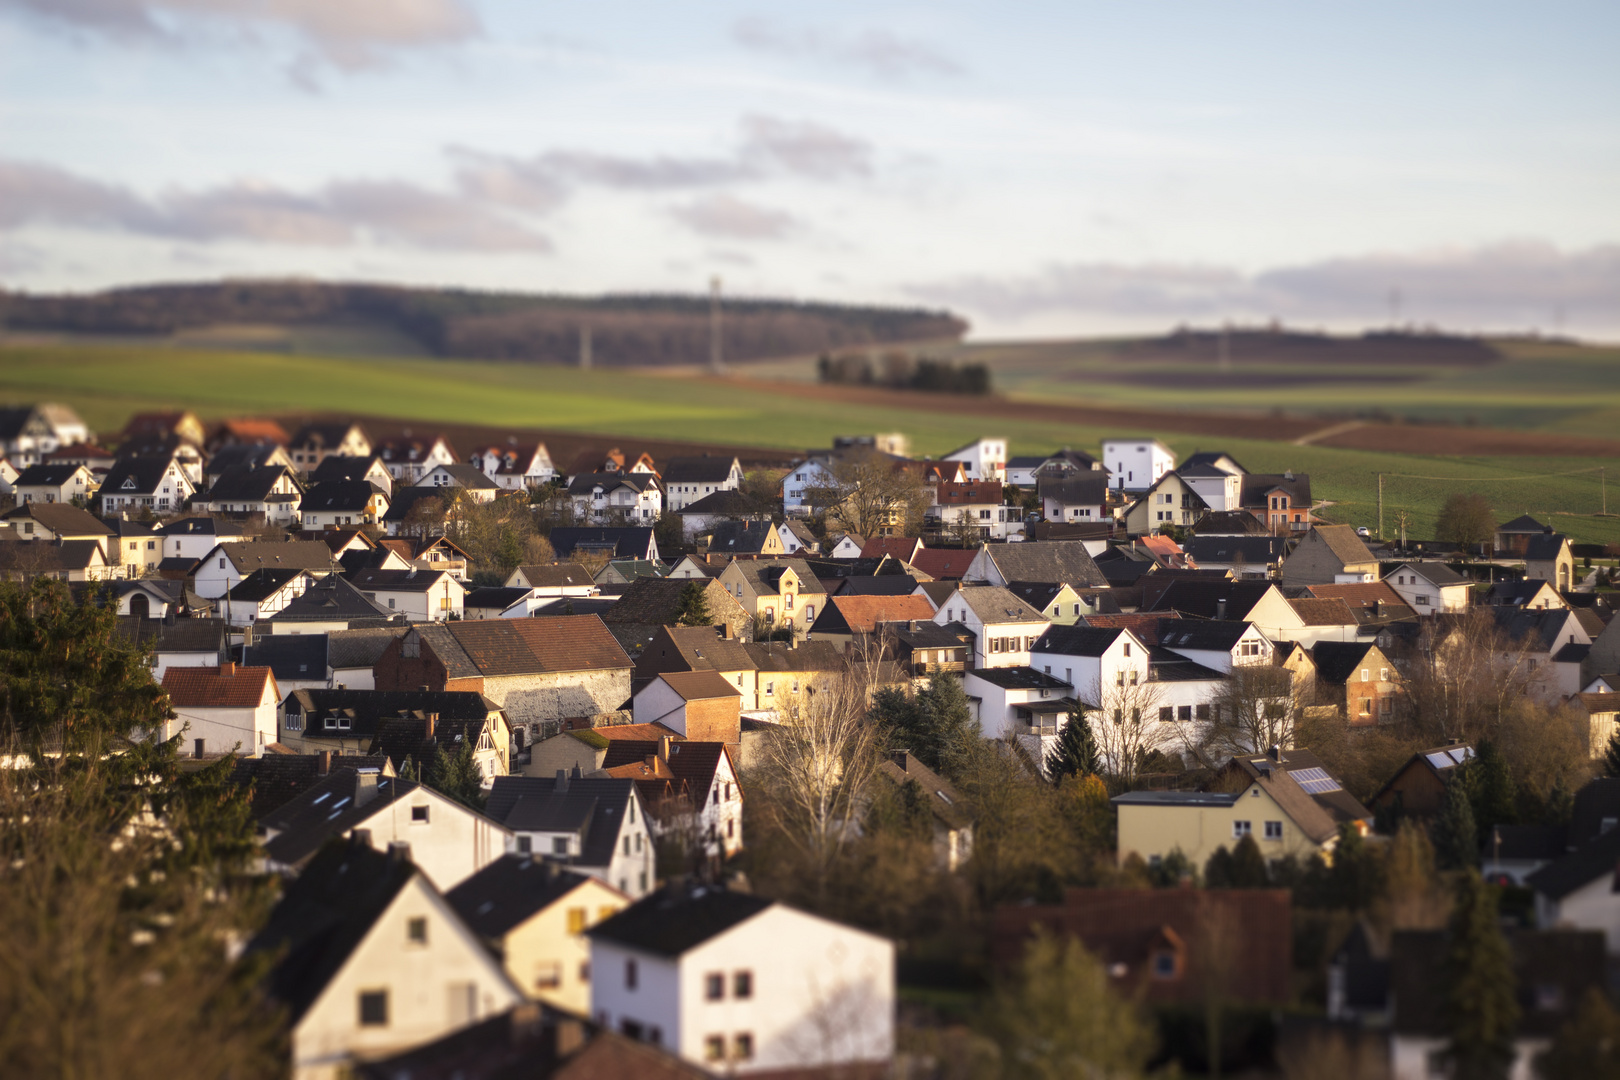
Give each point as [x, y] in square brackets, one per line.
[1285, 346]
[624, 330]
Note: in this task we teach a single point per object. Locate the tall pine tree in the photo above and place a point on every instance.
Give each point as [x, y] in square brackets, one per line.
[1481, 1009]
[1611, 755]
[1491, 792]
[456, 775]
[1454, 832]
[1076, 751]
[693, 609]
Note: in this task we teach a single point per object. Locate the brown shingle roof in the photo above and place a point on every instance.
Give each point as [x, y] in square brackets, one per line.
[1345, 545]
[863, 613]
[230, 686]
[555, 575]
[697, 685]
[496, 647]
[1315, 612]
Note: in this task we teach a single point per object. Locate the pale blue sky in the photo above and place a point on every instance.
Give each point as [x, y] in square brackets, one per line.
[1062, 168]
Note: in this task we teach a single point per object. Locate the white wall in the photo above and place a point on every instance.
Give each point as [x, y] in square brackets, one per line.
[222, 729]
[452, 845]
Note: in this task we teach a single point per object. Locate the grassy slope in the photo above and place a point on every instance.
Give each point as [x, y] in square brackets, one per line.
[107, 384]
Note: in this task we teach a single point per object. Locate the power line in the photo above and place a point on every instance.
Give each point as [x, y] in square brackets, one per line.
[1493, 479]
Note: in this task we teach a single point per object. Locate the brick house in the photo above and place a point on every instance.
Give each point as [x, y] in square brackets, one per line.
[540, 671]
[697, 705]
[1357, 679]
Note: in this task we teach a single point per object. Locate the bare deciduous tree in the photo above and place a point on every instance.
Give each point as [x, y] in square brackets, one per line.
[870, 494]
[1464, 675]
[1254, 709]
[1126, 725]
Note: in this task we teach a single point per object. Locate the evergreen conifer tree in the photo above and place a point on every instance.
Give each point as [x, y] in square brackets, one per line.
[456, 775]
[1248, 865]
[1481, 1010]
[694, 607]
[1076, 752]
[1492, 794]
[1611, 755]
[1455, 835]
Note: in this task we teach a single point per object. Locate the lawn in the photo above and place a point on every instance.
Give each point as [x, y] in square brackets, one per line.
[106, 384]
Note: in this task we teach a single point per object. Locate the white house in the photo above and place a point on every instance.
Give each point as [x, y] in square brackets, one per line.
[1221, 490]
[423, 595]
[740, 984]
[974, 506]
[1004, 627]
[408, 459]
[1081, 497]
[1098, 663]
[226, 564]
[982, 459]
[222, 708]
[335, 504]
[472, 482]
[707, 770]
[145, 483]
[1430, 588]
[51, 483]
[194, 537]
[268, 491]
[513, 467]
[596, 826]
[262, 595]
[1216, 644]
[1019, 704]
[1136, 463]
[607, 497]
[447, 841]
[693, 704]
[810, 473]
[374, 961]
[688, 479]
[796, 537]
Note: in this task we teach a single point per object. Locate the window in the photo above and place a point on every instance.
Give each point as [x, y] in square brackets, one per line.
[374, 1008]
[742, 985]
[1423, 601]
[1240, 829]
[1366, 706]
[1166, 713]
[559, 845]
[416, 931]
[548, 976]
[222, 564]
[1164, 964]
[1383, 674]
[1366, 676]
[525, 845]
[627, 845]
[1119, 678]
[742, 1047]
[420, 814]
[1273, 830]
[1184, 713]
[1119, 716]
[632, 977]
[714, 986]
[714, 1048]
[1127, 648]
[1202, 712]
[576, 920]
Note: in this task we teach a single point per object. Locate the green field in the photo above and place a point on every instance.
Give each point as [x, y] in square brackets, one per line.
[106, 384]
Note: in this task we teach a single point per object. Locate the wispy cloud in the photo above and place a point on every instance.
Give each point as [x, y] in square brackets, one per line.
[727, 217]
[348, 34]
[880, 53]
[337, 214]
[805, 148]
[1517, 284]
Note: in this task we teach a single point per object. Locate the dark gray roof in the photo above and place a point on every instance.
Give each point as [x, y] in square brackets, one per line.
[366, 709]
[509, 891]
[341, 467]
[239, 455]
[1230, 523]
[1204, 635]
[595, 809]
[495, 597]
[403, 581]
[698, 470]
[1167, 666]
[347, 496]
[1019, 678]
[1336, 661]
[1436, 573]
[331, 599]
[585, 483]
[1596, 803]
[145, 472]
[1052, 560]
[358, 648]
[201, 526]
[277, 779]
[1210, 457]
[1176, 798]
[182, 635]
[263, 584]
[1254, 551]
[289, 656]
[1203, 599]
[1543, 628]
[324, 915]
[1077, 640]
[323, 434]
[1089, 488]
[743, 536]
[1544, 547]
[404, 498]
[329, 809]
[1524, 523]
[48, 474]
[465, 476]
[673, 921]
[1528, 842]
[1256, 486]
[627, 542]
[724, 503]
[249, 555]
[246, 483]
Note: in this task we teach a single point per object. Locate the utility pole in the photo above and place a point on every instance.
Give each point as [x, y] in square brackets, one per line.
[716, 358]
[1603, 482]
[1380, 505]
[584, 348]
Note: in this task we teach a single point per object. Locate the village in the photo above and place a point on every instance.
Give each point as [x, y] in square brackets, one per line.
[863, 765]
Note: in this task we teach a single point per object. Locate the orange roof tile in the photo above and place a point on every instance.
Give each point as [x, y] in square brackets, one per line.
[863, 613]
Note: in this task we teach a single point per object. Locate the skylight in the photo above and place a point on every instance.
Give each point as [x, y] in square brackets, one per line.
[1315, 781]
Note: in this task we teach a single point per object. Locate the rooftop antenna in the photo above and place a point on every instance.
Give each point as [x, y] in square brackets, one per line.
[717, 364]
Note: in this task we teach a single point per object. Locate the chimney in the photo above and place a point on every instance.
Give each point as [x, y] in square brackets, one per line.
[1220, 609]
[901, 758]
[425, 688]
[228, 669]
[324, 766]
[360, 837]
[562, 781]
[431, 724]
[247, 636]
[1275, 753]
[570, 1037]
[399, 852]
[168, 615]
[725, 631]
[365, 786]
[663, 747]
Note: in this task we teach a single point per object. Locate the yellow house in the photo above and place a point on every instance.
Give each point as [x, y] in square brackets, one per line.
[535, 913]
[1285, 800]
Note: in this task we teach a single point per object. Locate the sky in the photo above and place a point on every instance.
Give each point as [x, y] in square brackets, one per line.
[1044, 169]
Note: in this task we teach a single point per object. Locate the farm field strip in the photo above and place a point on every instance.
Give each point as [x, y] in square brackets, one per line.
[107, 384]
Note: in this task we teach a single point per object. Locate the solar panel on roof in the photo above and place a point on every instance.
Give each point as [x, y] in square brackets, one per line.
[1440, 761]
[1315, 781]
[1462, 754]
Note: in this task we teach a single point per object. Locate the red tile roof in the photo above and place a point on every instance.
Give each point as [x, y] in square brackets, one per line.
[943, 564]
[229, 686]
[901, 547]
[969, 493]
[863, 613]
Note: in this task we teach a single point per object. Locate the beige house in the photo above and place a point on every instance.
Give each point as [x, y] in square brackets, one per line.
[374, 961]
[534, 915]
[1285, 800]
[777, 591]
